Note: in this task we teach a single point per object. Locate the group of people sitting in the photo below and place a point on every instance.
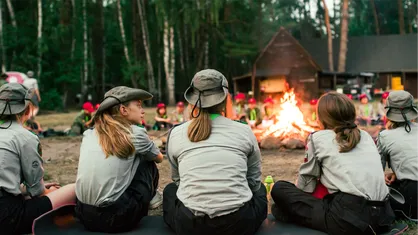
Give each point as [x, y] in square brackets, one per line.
[216, 168]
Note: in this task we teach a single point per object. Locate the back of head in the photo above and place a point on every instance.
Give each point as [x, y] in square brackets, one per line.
[337, 112]
[207, 94]
[400, 110]
[30, 74]
[16, 102]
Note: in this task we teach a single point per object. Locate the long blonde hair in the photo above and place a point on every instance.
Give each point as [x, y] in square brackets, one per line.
[201, 127]
[114, 133]
[337, 112]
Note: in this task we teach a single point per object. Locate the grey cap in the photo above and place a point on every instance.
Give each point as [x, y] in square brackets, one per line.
[122, 94]
[399, 102]
[14, 98]
[210, 86]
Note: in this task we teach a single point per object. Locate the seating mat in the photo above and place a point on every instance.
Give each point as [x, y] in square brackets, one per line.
[62, 222]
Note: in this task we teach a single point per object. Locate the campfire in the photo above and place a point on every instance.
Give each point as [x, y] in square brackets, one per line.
[290, 129]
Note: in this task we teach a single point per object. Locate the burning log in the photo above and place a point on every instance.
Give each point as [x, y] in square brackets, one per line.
[290, 129]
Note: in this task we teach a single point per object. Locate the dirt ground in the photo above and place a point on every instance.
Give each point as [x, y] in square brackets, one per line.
[61, 157]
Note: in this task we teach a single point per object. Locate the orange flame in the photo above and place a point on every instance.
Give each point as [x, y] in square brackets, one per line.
[290, 120]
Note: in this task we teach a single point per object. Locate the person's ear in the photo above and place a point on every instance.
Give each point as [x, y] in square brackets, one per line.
[123, 110]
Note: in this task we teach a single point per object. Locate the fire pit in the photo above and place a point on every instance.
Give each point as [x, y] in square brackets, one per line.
[290, 129]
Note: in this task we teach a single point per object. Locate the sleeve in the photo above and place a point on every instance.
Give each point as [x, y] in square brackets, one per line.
[254, 164]
[143, 144]
[175, 176]
[309, 171]
[35, 85]
[384, 156]
[31, 163]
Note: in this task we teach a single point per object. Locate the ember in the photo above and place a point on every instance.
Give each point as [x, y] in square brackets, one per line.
[290, 122]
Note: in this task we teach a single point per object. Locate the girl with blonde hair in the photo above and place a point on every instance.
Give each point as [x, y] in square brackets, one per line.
[23, 194]
[345, 160]
[117, 175]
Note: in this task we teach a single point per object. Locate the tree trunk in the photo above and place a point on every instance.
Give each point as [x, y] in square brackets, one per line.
[329, 36]
[169, 61]
[14, 23]
[125, 45]
[74, 20]
[376, 18]
[3, 52]
[401, 17]
[145, 37]
[84, 84]
[180, 50]
[343, 37]
[39, 70]
[98, 47]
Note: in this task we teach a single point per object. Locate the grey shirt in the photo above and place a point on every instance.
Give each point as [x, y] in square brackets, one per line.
[103, 180]
[401, 149]
[357, 172]
[216, 176]
[20, 160]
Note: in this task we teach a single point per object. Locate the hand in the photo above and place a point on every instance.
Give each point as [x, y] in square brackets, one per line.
[53, 185]
[390, 178]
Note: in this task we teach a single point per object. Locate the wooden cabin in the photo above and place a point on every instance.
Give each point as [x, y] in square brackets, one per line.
[303, 65]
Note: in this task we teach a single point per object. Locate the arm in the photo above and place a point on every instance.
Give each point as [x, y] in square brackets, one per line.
[31, 163]
[144, 147]
[175, 175]
[382, 151]
[309, 171]
[254, 164]
[37, 94]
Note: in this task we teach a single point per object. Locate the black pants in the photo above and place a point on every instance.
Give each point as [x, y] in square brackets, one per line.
[409, 190]
[337, 213]
[17, 214]
[246, 220]
[126, 212]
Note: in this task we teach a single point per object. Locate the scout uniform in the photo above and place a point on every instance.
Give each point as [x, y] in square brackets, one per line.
[365, 112]
[398, 147]
[217, 185]
[114, 194]
[240, 106]
[358, 200]
[21, 163]
[177, 117]
[381, 111]
[158, 125]
[80, 123]
[253, 114]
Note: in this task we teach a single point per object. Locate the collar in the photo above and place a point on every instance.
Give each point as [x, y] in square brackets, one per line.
[214, 115]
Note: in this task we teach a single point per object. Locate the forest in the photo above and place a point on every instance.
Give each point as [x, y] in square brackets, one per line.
[89, 46]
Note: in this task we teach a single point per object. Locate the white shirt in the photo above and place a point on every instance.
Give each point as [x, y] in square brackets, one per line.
[357, 172]
[31, 83]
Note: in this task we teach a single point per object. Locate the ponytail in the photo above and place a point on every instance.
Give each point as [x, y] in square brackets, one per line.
[201, 127]
[348, 137]
[114, 134]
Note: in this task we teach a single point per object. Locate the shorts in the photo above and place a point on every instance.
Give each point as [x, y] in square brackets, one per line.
[17, 214]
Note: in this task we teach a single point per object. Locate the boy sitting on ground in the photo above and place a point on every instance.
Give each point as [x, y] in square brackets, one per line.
[365, 113]
[83, 121]
[253, 114]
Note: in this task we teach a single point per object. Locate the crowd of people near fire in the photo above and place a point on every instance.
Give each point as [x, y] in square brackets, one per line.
[341, 188]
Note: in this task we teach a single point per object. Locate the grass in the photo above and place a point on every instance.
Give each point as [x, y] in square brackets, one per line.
[412, 227]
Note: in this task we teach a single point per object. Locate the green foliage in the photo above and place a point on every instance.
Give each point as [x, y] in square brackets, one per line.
[51, 100]
[234, 30]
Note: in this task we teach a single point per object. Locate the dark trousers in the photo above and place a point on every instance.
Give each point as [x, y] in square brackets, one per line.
[408, 188]
[161, 125]
[17, 214]
[246, 220]
[337, 213]
[126, 212]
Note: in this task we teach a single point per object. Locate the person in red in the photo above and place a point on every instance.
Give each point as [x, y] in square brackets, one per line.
[83, 121]
[177, 116]
[268, 109]
[365, 113]
[240, 106]
[253, 113]
[162, 120]
[381, 111]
